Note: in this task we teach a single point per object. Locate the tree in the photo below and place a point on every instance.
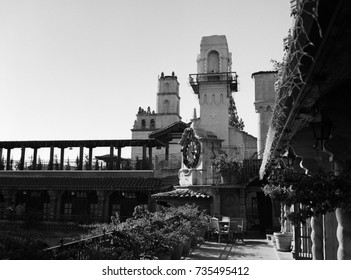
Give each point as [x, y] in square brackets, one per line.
[68, 166]
[234, 119]
[39, 165]
[56, 164]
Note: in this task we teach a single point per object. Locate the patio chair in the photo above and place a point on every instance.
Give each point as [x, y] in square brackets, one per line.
[219, 230]
[236, 229]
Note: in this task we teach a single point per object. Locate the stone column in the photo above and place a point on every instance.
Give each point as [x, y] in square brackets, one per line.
[62, 158]
[144, 157]
[81, 151]
[343, 233]
[90, 158]
[111, 157]
[51, 161]
[119, 156]
[330, 240]
[35, 155]
[150, 157]
[8, 159]
[23, 154]
[317, 238]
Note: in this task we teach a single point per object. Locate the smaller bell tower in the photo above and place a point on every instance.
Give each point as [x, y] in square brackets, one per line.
[167, 100]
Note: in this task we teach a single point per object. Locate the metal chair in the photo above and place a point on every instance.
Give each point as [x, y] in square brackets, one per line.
[219, 230]
[236, 229]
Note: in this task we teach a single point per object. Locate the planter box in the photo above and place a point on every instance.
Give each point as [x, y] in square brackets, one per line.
[283, 241]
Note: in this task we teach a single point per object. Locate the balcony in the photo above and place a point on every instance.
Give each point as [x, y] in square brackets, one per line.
[229, 78]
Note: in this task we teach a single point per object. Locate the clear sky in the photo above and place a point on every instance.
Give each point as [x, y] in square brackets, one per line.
[80, 69]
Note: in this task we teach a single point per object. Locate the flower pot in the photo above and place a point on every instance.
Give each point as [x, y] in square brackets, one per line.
[283, 241]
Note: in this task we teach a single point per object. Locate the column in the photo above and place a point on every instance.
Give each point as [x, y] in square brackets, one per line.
[144, 157]
[329, 233]
[23, 154]
[1, 156]
[150, 157]
[343, 233]
[90, 165]
[51, 161]
[317, 238]
[111, 158]
[62, 158]
[8, 159]
[35, 155]
[119, 158]
[81, 150]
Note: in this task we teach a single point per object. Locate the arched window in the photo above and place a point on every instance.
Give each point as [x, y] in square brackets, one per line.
[143, 124]
[213, 62]
[166, 87]
[205, 98]
[152, 124]
[166, 106]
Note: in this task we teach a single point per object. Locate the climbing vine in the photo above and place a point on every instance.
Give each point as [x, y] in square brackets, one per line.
[289, 78]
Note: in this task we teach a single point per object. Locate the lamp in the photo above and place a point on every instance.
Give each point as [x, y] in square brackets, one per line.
[321, 130]
[289, 156]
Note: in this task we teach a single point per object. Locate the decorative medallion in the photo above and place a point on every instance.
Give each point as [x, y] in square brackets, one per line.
[191, 148]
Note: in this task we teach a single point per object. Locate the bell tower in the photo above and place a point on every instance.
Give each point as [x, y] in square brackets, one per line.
[213, 84]
[167, 100]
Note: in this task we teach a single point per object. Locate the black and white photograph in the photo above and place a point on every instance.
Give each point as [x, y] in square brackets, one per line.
[200, 135]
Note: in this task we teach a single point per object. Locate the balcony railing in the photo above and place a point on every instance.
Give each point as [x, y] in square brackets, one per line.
[229, 78]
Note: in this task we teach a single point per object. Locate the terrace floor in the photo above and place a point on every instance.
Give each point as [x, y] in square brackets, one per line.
[253, 248]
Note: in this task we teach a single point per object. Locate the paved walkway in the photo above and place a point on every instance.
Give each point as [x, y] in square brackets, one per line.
[250, 249]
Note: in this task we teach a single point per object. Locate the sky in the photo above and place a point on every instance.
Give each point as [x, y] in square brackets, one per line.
[80, 69]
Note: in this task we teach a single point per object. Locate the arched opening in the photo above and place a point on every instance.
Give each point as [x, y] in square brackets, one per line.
[166, 106]
[213, 62]
[166, 87]
[33, 205]
[152, 124]
[143, 124]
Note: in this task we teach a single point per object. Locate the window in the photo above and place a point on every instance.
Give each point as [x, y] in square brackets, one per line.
[166, 106]
[116, 208]
[93, 209]
[130, 195]
[67, 209]
[152, 124]
[213, 62]
[143, 124]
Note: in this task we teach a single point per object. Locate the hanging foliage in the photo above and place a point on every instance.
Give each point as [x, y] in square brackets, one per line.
[234, 119]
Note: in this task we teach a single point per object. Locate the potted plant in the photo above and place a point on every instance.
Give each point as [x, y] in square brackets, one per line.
[279, 190]
[229, 168]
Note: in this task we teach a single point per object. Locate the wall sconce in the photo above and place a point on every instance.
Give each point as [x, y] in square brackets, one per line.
[321, 130]
[289, 156]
